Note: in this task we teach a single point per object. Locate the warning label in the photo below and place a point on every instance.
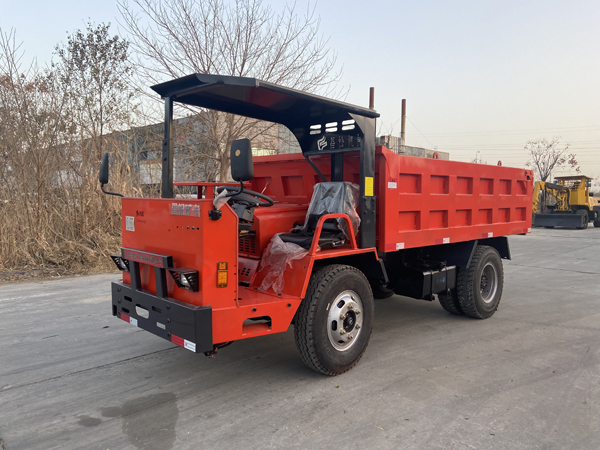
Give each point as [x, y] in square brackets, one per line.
[130, 223]
[368, 186]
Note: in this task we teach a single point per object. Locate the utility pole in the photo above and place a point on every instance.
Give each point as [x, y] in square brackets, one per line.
[372, 98]
[403, 129]
[166, 190]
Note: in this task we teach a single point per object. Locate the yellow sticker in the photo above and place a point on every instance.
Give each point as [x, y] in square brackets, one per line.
[368, 186]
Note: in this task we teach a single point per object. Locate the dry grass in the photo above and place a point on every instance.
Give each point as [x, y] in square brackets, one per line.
[65, 225]
[53, 217]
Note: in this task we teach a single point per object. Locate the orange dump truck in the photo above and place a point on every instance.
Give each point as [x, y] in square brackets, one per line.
[310, 239]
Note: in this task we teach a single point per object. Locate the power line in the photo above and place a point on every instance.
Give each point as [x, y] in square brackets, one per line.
[430, 143]
[531, 130]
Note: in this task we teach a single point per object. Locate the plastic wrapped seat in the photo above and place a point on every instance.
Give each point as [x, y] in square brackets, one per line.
[337, 197]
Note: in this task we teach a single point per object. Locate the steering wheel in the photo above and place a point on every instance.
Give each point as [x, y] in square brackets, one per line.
[248, 197]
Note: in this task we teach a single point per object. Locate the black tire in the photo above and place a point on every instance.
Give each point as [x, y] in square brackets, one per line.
[472, 283]
[380, 291]
[313, 329]
[449, 302]
[586, 218]
[597, 223]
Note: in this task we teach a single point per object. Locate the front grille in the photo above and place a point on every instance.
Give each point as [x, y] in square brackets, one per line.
[247, 245]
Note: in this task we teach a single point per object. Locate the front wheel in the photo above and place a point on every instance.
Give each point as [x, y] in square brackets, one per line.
[479, 287]
[334, 322]
[586, 218]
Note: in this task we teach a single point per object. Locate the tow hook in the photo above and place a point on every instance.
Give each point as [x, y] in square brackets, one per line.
[216, 347]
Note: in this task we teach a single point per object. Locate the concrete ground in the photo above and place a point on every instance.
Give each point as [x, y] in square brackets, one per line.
[74, 377]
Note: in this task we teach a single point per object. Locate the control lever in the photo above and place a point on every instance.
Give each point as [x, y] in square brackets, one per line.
[265, 188]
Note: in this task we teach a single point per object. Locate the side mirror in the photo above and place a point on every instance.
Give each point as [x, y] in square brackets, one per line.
[241, 160]
[103, 176]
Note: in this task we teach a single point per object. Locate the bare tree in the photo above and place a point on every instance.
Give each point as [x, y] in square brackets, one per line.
[549, 155]
[95, 72]
[243, 38]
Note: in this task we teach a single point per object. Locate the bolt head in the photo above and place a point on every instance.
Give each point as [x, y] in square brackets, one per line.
[357, 312]
[358, 326]
[342, 331]
[343, 317]
[350, 337]
[350, 306]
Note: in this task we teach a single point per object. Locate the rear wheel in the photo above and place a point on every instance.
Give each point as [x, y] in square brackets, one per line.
[479, 287]
[449, 302]
[334, 322]
[597, 223]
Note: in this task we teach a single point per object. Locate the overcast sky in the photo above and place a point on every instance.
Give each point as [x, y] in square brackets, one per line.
[478, 75]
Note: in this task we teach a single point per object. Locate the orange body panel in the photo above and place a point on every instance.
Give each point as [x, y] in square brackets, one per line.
[197, 243]
[427, 202]
[420, 202]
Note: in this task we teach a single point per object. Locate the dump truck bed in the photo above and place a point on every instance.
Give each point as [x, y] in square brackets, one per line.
[420, 202]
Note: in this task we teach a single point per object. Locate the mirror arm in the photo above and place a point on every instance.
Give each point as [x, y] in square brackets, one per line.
[233, 194]
[109, 193]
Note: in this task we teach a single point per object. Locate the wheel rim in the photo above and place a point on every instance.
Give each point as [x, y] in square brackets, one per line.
[489, 283]
[345, 320]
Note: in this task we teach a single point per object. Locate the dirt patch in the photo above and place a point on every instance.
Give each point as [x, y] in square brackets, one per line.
[47, 274]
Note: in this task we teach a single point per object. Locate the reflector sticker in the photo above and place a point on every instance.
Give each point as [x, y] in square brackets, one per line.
[183, 343]
[189, 345]
[153, 259]
[130, 223]
[392, 183]
[129, 319]
[446, 240]
[368, 186]
[181, 209]
[529, 230]
[490, 235]
[399, 245]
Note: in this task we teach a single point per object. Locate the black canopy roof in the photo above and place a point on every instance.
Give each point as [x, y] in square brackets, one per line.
[321, 126]
[258, 99]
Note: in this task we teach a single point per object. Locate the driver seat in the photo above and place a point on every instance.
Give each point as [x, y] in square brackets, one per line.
[328, 198]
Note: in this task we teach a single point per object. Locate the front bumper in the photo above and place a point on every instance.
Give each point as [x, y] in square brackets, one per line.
[181, 323]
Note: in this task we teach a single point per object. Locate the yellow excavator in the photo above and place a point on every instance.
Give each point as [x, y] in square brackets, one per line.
[574, 206]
